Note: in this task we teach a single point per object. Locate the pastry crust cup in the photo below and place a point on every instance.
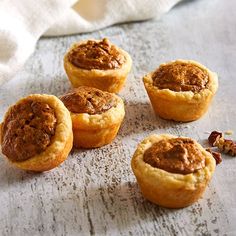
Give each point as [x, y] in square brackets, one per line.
[61, 142]
[181, 106]
[168, 189]
[111, 80]
[92, 131]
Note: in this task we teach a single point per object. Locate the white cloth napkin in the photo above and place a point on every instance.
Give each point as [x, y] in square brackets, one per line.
[23, 22]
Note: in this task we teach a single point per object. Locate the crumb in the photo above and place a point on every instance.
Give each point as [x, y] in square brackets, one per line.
[228, 132]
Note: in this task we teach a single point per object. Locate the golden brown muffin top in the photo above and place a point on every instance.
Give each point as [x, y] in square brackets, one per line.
[27, 130]
[88, 100]
[175, 155]
[92, 54]
[180, 76]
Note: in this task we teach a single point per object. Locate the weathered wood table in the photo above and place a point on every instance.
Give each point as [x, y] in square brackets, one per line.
[94, 191]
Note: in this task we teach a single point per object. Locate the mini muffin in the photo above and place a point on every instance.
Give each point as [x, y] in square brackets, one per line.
[97, 63]
[181, 90]
[172, 171]
[96, 116]
[36, 133]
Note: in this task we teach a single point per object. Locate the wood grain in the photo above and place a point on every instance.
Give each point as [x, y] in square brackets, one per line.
[94, 191]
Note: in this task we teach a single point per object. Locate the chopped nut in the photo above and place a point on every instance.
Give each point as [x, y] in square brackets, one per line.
[216, 155]
[214, 136]
[226, 145]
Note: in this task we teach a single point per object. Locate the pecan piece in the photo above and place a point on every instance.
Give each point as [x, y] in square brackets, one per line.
[216, 155]
[214, 136]
[226, 145]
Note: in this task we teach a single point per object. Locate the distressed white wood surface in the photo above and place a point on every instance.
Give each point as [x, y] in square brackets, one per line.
[94, 191]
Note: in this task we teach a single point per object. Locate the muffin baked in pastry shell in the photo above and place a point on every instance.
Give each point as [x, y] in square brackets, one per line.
[111, 80]
[182, 105]
[61, 142]
[97, 130]
[170, 189]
